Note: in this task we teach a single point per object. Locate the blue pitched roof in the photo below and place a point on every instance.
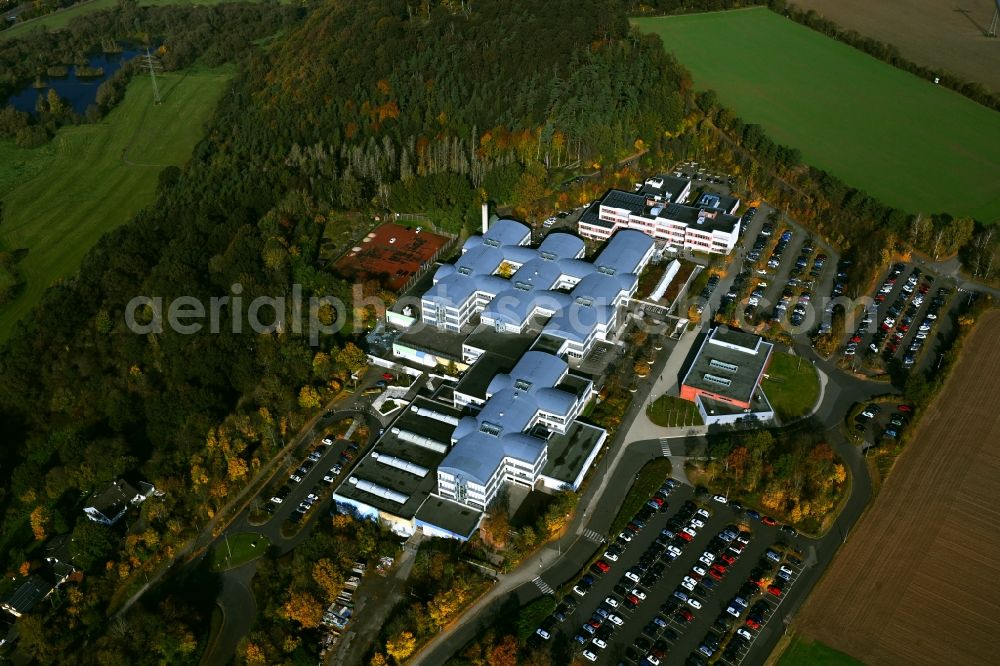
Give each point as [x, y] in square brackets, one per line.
[624, 251]
[497, 431]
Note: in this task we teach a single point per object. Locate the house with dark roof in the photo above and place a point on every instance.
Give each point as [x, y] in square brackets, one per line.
[34, 589]
[108, 506]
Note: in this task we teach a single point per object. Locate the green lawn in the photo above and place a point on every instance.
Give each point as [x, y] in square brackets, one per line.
[244, 547]
[910, 143]
[649, 479]
[804, 652]
[791, 385]
[61, 19]
[60, 198]
[672, 412]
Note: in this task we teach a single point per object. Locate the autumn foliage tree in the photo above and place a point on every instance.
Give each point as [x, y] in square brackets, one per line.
[401, 647]
[328, 578]
[302, 607]
[504, 653]
[40, 519]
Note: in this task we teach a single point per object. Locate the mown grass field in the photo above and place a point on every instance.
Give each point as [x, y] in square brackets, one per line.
[804, 652]
[241, 548]
[61, 19]
[910, 143]
[60, 198]
[791, 385]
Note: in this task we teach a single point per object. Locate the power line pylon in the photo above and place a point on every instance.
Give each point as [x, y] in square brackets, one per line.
[154, 66]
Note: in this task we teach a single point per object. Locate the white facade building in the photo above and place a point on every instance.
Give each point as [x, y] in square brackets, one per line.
[707, 226]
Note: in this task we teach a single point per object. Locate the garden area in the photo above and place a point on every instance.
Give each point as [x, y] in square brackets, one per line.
[647, 482]
[791, 385]
[672, 412]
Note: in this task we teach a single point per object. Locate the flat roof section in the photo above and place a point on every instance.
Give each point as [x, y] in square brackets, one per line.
[670, 187]
[426, 425]
[735, 336]
[509, 345]
[725, 371]
[758, 403]
[574, 384]
[549, 344]
[433, 340]
[567, 453]
[392, 477]
[449, 516]
[477, 378]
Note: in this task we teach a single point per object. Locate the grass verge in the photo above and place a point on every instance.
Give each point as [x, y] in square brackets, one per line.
[241, 548]
[804, 652]
[647, 481]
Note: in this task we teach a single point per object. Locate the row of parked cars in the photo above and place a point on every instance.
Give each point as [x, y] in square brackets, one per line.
[721, 554]
[630, 590]
[743, 618]
[657, 637]
[296, 477]
[900, 317]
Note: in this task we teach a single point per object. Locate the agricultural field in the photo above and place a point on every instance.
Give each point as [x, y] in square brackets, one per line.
[918, 580]
[912, 144]
[59, 199]
[949, 36]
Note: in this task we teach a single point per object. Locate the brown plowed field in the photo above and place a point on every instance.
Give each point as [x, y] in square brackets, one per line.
[918, 581]
[946, 34]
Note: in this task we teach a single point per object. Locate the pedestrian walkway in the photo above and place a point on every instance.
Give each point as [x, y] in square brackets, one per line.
[542, 585]
[593, 535]
[665, 447]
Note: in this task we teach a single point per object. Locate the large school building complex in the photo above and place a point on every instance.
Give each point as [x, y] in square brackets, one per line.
[515, 317]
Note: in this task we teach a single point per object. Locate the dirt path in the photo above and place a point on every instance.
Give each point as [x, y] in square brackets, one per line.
[918, 581]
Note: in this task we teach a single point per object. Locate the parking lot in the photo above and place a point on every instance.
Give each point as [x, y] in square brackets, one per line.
[687, 584]
[783, 275]
[904, 319]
